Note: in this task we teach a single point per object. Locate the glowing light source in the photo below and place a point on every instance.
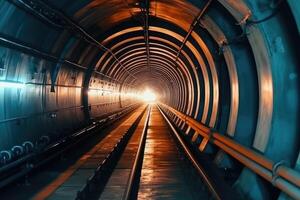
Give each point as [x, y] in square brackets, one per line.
[95, 91]
[148, 96]
[10, 84]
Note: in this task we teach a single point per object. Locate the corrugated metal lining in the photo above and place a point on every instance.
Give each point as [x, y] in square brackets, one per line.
[108, 47]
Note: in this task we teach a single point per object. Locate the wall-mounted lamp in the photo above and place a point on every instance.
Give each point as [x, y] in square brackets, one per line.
[11, 84]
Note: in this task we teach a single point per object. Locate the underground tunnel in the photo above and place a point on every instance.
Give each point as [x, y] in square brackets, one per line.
[149, 99]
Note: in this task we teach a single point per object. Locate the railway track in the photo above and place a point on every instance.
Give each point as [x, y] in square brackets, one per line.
[143, 158]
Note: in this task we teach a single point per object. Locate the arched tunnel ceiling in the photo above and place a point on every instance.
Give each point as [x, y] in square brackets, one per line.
[226, 63]
[167, 40]
[179, 19]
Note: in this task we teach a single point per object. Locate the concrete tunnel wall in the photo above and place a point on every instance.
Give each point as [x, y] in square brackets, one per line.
[238, 71]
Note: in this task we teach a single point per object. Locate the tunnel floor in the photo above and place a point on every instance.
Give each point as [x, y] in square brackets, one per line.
[164, 172]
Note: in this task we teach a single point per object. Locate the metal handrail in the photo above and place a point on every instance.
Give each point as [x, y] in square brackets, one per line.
[136, 169]
[282, 177]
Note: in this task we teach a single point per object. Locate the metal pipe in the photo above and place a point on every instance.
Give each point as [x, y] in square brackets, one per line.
[265, 162]
[278, 182]
[53, 111]
[194, 23]
[74, 26]
[288, 180]
[50, 57]
[146, 29]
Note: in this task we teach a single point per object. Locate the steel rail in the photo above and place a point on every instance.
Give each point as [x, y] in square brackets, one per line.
[195, 163]
[193, 25]
[132, 184]
[23, 166]
[281, 176]
[96, 182]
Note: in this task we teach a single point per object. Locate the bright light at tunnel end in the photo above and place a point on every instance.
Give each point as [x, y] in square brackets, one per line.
[148, 96]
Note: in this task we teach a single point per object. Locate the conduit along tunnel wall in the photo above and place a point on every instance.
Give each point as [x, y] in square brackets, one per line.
[225, 72]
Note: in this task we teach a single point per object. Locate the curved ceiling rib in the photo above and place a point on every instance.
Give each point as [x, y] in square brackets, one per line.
[134, 29]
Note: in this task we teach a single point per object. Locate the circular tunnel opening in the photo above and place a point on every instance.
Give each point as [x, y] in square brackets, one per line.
[231, 66]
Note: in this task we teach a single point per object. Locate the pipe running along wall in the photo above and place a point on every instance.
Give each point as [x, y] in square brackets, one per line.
[231, 65]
